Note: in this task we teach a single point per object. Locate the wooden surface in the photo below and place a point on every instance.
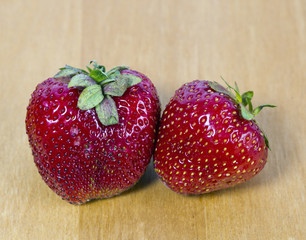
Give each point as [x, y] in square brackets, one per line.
[260, 44]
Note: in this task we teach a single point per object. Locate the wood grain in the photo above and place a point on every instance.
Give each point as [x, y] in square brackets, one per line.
[260, 44]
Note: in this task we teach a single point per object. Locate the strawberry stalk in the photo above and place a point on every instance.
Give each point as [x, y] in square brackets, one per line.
[98, 87]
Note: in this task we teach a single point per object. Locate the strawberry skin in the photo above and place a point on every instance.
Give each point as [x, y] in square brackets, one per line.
[204, 144]
[79, 158]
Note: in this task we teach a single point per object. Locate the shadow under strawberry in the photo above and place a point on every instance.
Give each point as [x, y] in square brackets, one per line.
[148, 178]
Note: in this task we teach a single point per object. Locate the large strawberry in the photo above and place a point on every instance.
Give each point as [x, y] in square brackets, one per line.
[208, 139]
[92, 132]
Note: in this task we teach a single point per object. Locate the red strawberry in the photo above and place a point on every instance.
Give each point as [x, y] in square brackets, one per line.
[92, 133]
[208, 139]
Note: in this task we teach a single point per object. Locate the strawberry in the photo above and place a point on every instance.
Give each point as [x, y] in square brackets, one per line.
[208, 139]
[92, 132]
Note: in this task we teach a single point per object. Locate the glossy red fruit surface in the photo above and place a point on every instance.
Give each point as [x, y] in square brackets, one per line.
[204, 144]
[78, 157]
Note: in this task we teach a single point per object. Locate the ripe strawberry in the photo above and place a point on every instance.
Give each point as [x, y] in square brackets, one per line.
[92, 133]
[208, 139]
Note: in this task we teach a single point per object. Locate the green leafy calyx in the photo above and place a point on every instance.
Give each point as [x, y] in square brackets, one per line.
[243, 100]
[98, 87]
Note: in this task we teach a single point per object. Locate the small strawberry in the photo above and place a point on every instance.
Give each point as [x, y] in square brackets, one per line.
[92, 132]
[208, 139]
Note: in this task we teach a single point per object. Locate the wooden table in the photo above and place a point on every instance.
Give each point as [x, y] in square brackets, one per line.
[259, 44]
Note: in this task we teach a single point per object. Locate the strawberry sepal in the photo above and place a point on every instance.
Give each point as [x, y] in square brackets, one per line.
[90, 97]
[107, 111]
[98, 87]
[68, 71]
[81, 80]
